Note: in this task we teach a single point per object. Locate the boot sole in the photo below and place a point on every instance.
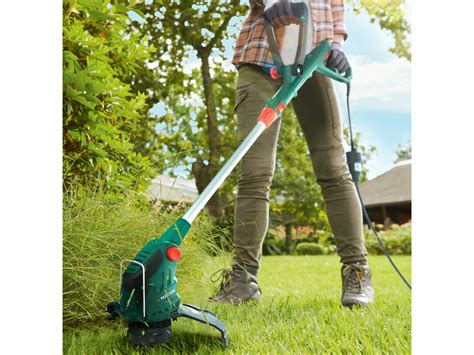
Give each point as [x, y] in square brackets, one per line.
[350, 304]
[254, 298]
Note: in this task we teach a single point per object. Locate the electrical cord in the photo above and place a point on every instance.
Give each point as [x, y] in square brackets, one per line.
[354, 160]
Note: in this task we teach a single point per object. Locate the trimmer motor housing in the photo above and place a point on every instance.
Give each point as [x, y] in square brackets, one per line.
[148, 297]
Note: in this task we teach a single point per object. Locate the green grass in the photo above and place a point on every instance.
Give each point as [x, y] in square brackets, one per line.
[300, 313]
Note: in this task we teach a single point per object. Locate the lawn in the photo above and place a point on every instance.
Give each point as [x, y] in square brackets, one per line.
[300, 313]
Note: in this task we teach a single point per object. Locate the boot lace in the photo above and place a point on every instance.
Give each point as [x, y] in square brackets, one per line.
[353, 278]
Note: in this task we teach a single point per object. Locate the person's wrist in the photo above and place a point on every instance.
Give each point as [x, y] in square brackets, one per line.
[336, 46]
[339, 39]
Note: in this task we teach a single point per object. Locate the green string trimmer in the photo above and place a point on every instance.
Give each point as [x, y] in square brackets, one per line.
[148, 298]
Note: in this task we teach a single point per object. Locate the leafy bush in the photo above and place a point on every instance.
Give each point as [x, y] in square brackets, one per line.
[273, 246]
[100, 112]
[98, 234]
[397, 240]
[310, 249]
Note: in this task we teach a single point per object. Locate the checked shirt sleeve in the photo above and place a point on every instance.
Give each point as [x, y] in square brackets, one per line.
[337, 8]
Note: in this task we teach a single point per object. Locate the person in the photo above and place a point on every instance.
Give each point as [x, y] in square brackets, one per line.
[318, 114]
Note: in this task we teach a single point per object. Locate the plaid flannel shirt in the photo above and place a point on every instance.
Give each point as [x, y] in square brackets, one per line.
[252, 45]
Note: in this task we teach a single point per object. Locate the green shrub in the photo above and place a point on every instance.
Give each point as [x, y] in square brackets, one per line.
[310, 249]
[101, 114]
[273, 246]
[397, 240]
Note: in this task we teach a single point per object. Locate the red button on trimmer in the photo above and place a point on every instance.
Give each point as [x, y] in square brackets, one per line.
[274, 73]
[173, 253]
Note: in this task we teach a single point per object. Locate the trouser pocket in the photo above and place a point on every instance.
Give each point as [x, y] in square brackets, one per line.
[240, 97]
[335, 117]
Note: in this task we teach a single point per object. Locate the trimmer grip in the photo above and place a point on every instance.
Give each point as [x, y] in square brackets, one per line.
[334, 74]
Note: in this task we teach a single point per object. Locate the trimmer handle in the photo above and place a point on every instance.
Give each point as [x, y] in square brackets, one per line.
[334, 74]
[314, 61]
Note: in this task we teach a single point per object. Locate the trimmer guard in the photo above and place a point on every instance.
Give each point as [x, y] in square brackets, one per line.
[156, 333]
[203, 316]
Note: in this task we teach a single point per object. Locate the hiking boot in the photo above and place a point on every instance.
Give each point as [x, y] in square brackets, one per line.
[237, 286]
[356, 285]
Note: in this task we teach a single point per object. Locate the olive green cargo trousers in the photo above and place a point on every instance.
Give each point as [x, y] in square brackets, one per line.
[318, 114]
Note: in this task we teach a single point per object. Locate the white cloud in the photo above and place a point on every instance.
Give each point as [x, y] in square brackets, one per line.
[380, 85]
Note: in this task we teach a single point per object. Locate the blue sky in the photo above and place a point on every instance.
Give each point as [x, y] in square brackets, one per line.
[381, 91]
[380, 94]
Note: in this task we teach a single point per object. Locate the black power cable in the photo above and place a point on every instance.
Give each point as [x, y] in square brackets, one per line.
[354, 161]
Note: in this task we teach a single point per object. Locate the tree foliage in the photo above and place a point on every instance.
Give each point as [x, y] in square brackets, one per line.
[100, 113]
[197, 126]
[403, 152]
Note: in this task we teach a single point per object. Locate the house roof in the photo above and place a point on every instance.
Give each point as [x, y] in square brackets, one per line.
[391, 188]
[173, 189]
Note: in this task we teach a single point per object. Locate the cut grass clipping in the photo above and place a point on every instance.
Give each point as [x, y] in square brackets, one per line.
[300, 312]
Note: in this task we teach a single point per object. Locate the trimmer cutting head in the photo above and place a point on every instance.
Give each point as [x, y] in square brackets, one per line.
[148, 297]
[149, 333]
[156, 333]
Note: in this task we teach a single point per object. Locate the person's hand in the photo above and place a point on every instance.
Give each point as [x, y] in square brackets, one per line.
[337, 59]
[280, 13]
